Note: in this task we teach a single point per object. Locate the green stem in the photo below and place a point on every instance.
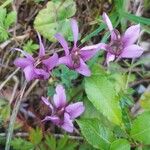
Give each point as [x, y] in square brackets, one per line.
[128, 77]
[13, 117]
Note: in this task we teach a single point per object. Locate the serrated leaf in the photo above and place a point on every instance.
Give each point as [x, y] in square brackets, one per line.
[95, 133]
[120, 144]
[102, 94]
[22, 144]
[10, 19]
[50, 142]
[140, 130]
[62, 142]
[35, 136]
[55, 18]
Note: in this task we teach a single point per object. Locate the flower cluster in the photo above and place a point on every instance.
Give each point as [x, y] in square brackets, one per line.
[75, 57]
[38, 67]
[63, 114]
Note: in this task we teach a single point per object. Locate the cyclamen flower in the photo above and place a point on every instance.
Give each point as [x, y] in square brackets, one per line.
[38, 67]
[76, 57]
[63, 114]
[122, 46]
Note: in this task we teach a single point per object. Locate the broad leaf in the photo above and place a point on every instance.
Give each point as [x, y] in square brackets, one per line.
[95, 133]
[100, 91]
[140, 130]
[145, 101]
[55, 18]
[120, 144]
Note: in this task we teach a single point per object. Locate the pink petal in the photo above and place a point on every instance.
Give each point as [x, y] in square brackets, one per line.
[60, 97]
[109, 57]
[67, 125]
[132, 51]
[63, 43]
[131, 35]
[86, 55]
[41, 73]
[83, 69]
[88, 52]
[46, 101]
[51, 61]
[54, 119]
[75, 110]
[75, 30]
[96, 46]
[42, 49]
[109, 25]
[25, 54]
[107, 21]
[66, 60]
[29, 73]
[23, 62]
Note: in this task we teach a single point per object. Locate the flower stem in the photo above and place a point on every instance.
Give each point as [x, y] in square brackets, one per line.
[128, 77]
[13, 117]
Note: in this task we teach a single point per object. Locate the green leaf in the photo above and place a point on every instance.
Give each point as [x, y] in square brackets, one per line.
[120, 144]
[100, 91]
[10, 19]
[62, 142]
[6, 20]
[90, 111]
[36, 136]
[140, 130]
[55, 19]
[22, 144]
[95, 133]
[65, 74]
[145, 101]
[30, 47]
[50, 142]
[136, 19]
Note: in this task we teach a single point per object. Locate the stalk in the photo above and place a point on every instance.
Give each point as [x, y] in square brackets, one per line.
[13, 117]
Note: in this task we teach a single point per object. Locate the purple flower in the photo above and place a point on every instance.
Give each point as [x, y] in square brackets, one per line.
[122, 46]
[38, 67]
[76, 57]
[63, 114]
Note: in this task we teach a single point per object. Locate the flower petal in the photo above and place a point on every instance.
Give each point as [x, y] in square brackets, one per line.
[109, 57]
[46, 101]
[42, 49]
[131, 35]
[132, 51]
[27, 55]
[75, 110]
[29, 73]
[67, 125]
[96, 46]
[41, 73]
[23, 62]
[60, 97]
[53, 119]
[63, 43]
[66, 60]
[75, 30]
[51, 62]
[109, 25]
[83, 69]
[107, 21]
[88, 52]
